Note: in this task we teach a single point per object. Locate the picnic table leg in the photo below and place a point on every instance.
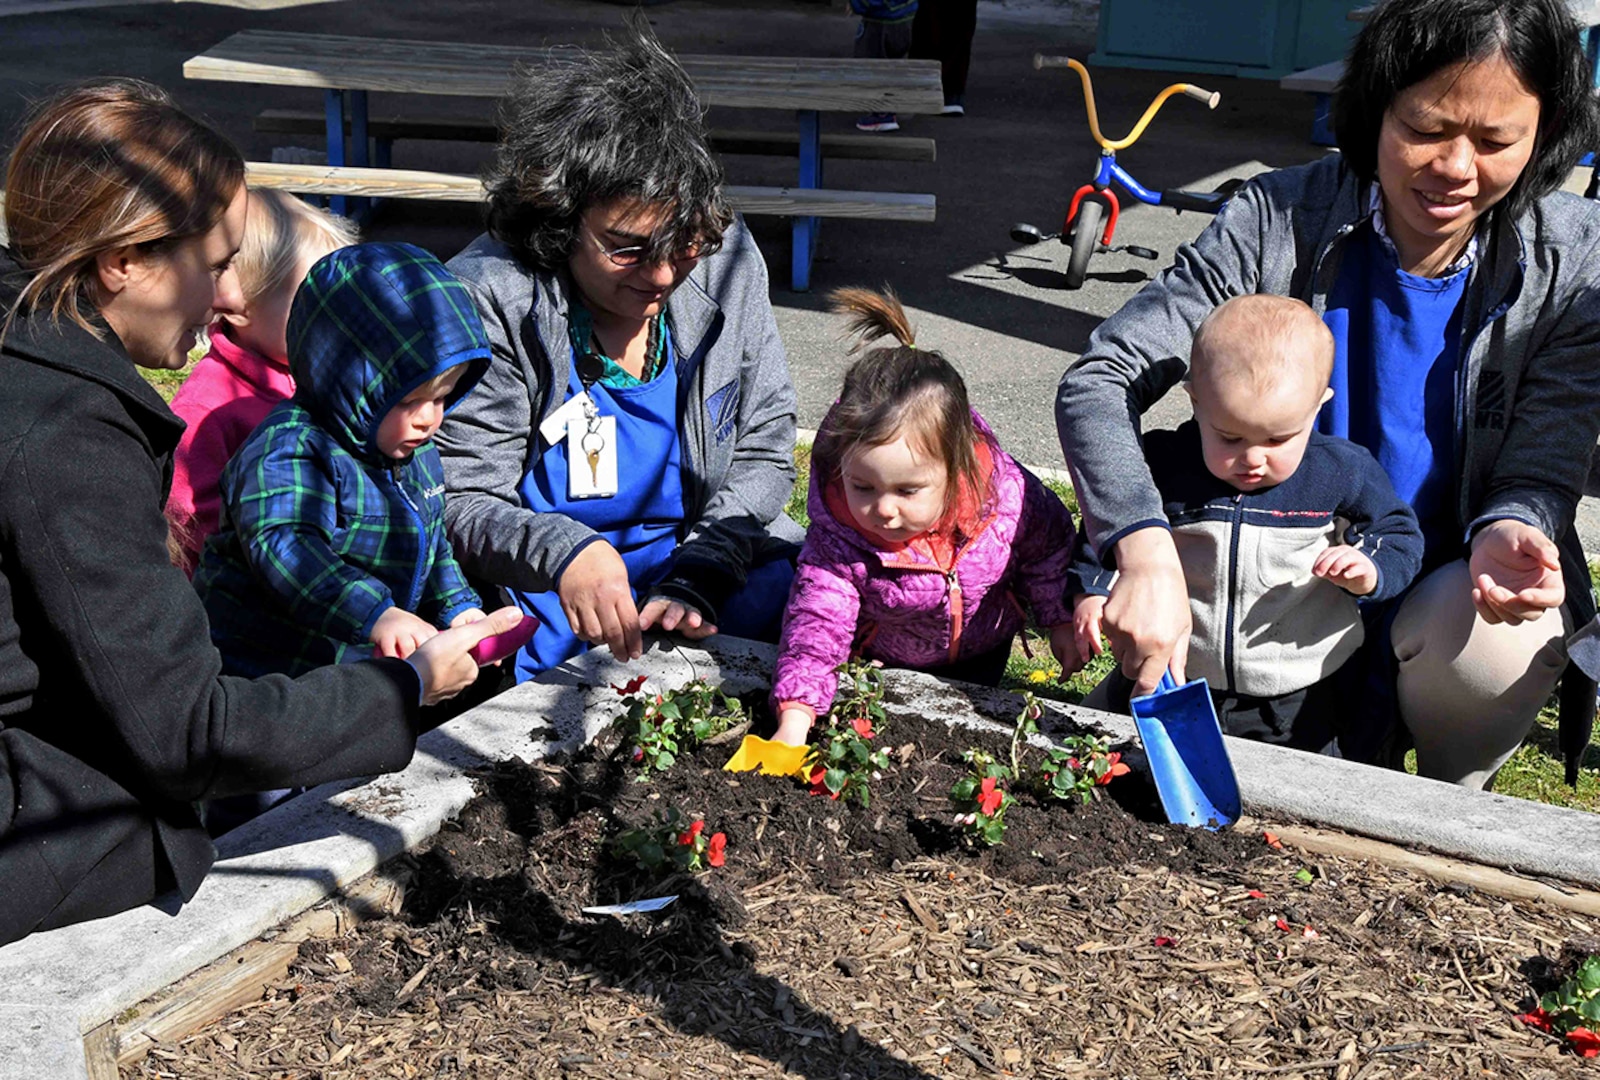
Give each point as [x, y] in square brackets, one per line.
[806, 228]
[360, 208]
[1591, 52]
[333, 108]
[1322, 120]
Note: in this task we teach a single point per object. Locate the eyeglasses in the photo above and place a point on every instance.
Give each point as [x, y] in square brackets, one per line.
[635, 254]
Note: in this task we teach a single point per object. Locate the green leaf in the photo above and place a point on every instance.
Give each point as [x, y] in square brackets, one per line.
[1304, 876]
[1590, 1010]
[1589, 975]
[665, 759]
[834, 780]
[964, 788]
[993, 830]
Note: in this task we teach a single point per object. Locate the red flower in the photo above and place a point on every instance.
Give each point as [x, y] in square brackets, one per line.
[1584, 1041]
[1256, 894]
[863, 726]
[685, 839]
[1166, 943]
[818, 786]
[714, 850]
[989, 797]
[1115, 768]
[1537, 1018]
[1283, 925]
[630, 687]
[699, 824]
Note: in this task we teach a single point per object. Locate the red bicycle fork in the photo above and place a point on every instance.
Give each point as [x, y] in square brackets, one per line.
[1106, 196]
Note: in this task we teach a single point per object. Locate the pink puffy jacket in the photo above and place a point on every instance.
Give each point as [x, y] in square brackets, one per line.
[225, 397]
[850, 596]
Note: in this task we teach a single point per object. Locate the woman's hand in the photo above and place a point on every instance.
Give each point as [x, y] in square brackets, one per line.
[598, 602]
[400, 633]
[1516, 572]
[467, 617]
[675, 615]
[442, 661]
[1147, 615]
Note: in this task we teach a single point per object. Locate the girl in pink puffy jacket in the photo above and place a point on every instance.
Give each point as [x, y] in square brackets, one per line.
[245, 372]
[926, 541]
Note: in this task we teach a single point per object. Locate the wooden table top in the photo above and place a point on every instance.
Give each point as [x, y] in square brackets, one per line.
[286, 58]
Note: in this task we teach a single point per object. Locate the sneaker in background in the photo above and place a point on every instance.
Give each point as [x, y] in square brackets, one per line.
[953, 107]
[878, 122]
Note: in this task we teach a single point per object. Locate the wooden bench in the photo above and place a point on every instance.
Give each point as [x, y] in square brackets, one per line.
[385, 130]
[356, 182]
[348, 68]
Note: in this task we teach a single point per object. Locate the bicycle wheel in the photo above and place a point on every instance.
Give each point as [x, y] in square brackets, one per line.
[1086, 231]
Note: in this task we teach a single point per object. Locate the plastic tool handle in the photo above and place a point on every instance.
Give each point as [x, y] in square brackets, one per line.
[1040, 60]
[1200, 93]
[1167, 682]
[499, 646]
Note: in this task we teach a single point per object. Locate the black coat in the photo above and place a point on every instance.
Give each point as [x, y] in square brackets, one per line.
[114, 720]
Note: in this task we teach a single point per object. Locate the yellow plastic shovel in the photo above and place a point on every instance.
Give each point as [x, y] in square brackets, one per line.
[771, 757]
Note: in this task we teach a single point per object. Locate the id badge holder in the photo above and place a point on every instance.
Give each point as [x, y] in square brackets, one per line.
[592, 457]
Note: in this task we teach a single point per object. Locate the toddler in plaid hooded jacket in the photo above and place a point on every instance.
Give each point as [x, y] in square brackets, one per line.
[333, 512]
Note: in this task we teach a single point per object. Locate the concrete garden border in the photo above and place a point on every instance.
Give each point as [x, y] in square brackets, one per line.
[59, 986]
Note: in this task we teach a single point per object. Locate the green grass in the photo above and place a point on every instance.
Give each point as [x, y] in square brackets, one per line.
[1534, 772]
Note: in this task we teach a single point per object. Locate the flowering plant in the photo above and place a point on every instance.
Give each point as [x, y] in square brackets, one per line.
[843, 760]
[660, 726]
[980, 802]
[1081, 769]
[673, 841]
[1573, 1009]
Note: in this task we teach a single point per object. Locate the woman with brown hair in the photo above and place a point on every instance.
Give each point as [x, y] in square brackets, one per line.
[124, 216]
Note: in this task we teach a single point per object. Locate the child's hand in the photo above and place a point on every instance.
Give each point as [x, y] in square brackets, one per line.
[675, 615]
[793, 727]
[467, 617]
[1347, 568]
[1064, 647]
[1088, 612]
[398, 633]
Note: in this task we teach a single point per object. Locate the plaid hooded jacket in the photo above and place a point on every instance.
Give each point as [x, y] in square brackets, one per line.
[320, 533]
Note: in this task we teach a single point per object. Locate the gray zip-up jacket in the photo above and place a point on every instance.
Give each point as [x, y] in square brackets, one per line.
[736, 412]
[1527, 390]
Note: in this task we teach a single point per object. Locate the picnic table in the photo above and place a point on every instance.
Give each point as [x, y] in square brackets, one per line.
[348, 68]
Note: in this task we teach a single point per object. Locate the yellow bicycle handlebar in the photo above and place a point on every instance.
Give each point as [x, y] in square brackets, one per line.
[1199, 94]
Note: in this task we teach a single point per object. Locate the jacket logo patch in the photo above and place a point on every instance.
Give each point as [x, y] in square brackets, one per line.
[433, 492]
[1491, 410]
[722, 410]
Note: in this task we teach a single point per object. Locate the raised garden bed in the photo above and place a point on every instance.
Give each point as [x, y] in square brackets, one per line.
[838, 940]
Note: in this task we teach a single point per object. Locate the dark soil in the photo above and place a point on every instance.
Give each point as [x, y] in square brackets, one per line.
[839, 941]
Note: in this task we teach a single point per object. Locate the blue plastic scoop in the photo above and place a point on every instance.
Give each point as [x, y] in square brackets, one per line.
[1190, 764]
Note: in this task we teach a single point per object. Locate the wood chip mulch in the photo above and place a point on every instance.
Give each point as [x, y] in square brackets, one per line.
[818, 953]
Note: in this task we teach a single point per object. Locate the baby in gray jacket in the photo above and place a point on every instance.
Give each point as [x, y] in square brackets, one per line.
[1279, 528]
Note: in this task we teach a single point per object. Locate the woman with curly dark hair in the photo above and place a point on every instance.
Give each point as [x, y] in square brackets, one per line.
[1463, 291]
[626, 461]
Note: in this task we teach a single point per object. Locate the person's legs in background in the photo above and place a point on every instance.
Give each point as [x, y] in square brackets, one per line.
[1469, 691]
[943, 31]
[879, 40]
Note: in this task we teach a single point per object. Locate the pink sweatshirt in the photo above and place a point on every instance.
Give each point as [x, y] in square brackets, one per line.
[227, 394]
[852, 597]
